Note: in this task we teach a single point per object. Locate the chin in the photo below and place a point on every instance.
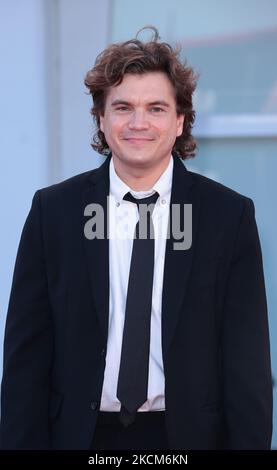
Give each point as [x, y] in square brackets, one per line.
[135, 157]
[140, 160]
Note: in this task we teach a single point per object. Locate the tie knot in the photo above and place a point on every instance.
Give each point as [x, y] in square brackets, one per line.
[145, 200]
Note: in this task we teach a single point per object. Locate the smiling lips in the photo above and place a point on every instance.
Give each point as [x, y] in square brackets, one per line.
[138, 140]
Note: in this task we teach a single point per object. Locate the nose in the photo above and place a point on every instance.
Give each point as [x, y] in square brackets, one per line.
[138, 120]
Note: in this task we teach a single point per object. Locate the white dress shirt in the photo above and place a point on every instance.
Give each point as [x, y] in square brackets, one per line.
[123, 216]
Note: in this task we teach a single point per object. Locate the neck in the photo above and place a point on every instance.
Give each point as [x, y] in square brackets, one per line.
[140, 179]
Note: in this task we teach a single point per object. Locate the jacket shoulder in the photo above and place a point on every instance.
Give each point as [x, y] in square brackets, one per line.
[72, 187]
[219, 202]
[70, 184]
[213, 190]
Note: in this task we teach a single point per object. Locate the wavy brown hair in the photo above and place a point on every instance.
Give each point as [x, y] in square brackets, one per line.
[137, 57]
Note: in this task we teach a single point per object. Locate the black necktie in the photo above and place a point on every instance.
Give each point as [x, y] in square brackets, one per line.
[134, 363]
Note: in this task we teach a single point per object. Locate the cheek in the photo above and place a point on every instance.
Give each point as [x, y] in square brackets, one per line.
[170, 132]
[113, 132]
[115, 126]
[170, 126]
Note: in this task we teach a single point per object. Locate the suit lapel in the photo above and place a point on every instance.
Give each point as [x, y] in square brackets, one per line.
[177, 262]
[97, 250]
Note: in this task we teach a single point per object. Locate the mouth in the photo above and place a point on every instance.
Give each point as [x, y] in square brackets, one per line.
[135, 140]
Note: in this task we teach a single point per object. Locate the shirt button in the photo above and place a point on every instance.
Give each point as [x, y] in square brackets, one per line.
[103, 352]
[163, 201]
[117, 204]
[94, 405]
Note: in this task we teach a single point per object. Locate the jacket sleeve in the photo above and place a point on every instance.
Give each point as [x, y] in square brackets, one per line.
[246, 369]
[28, 345]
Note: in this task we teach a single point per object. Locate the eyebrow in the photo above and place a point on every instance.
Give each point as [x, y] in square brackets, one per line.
[152, 103]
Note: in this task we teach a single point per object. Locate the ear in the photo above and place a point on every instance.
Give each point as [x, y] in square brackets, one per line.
[102, 123]
[180, 124]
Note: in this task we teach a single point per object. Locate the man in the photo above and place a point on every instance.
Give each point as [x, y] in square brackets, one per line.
[139, 342]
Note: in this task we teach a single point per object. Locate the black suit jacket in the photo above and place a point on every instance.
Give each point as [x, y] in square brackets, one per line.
[215, 343]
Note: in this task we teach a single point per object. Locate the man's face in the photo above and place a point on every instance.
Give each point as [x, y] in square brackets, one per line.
[140, 122]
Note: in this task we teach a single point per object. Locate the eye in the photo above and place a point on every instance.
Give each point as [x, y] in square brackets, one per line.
[156, 109]
[122, 108]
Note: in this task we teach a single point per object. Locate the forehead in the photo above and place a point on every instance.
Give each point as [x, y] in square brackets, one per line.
[147, 87]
